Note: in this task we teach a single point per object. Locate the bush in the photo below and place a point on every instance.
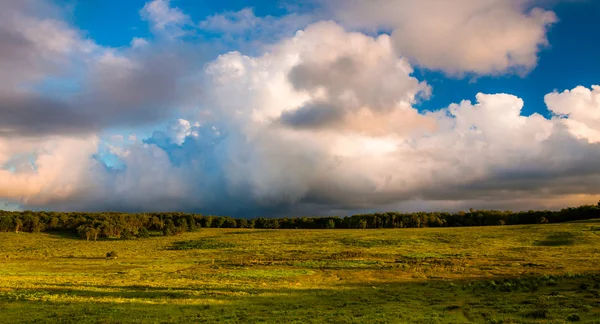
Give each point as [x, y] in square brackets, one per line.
[538, 314]
[574, 318]
[127, 235]
[143, 233]
[112, 255]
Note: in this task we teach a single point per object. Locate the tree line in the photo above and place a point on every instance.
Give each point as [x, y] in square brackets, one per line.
[92, 226]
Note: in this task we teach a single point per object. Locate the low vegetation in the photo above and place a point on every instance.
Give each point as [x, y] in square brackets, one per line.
[543, 273]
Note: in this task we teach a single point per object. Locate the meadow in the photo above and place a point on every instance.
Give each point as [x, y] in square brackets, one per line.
[547, 273]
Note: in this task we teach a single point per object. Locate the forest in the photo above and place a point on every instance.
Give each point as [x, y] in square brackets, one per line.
[92, 226]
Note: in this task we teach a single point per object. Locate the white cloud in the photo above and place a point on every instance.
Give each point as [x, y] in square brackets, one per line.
[322, 70]
[480, 145]
[466, 36]
[138, 42]
[582, 107]
[164, 18]
[38, 129]
[245, 29]
[180, 129]
[61, 169]
[231, 21]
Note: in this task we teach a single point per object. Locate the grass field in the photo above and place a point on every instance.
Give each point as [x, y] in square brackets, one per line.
[506, 274]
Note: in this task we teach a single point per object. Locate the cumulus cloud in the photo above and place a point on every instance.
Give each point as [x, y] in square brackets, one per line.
[114, 87]
[322, 122]
[467, 36]
[46, 172]
[471, 150]
[138, 42]
[33, 46]
[232, 21]
[34, 43]
[164, 18]
[581, 106]
[323, 77]
[179, 130]
[245, 22]
[244, 31]
[127, 86]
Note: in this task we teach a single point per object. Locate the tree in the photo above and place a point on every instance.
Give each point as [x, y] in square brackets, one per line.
[93, 233]
[127, 235]
[330, 224]
[18, 225]
[169, 228]
[6, 224]
[143, 233]
[229, 223]
[85, 232]
[53, 223]
[243, 223]
[362, 224]
[183, 225]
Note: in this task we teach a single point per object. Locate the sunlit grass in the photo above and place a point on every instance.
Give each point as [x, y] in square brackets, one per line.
[511, 274]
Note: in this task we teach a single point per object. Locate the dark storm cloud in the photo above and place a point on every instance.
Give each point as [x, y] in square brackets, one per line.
[313, 115]
[32, 115]
[114, 87]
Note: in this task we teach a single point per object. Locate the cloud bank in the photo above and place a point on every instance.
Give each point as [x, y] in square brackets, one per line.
[468, 36]
[321, 122]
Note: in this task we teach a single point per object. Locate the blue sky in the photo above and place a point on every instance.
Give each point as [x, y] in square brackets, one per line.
[226, 107]
[92, 16]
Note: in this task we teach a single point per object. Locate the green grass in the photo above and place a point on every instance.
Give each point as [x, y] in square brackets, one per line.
[511, 274]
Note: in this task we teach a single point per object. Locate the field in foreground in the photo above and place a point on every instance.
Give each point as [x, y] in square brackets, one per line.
[506, 274]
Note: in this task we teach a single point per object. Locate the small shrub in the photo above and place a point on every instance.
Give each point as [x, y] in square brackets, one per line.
[534, 286]
[508, 286]
[112, 255]
[127, 235]
[574, 318]
[538, 314]
[143, 233]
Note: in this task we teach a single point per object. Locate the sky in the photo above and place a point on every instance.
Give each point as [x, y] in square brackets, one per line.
[299, 107]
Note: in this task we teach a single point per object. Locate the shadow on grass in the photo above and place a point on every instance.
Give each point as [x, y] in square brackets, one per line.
[83, 257]
[73, 236]
[433, 301]
[586, 221]
[250, 231]
[204, 244]
[63, 234]
[558, 239]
